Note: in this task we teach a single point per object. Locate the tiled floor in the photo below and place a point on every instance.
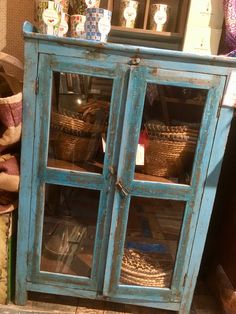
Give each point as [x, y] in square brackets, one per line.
[204, 303]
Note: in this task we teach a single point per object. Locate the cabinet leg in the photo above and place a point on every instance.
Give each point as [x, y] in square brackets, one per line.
[21, 297]
[185, 308]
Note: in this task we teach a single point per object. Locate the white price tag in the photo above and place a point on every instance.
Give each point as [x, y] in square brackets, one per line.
[140, 155]
[229, 99]
[103, 144]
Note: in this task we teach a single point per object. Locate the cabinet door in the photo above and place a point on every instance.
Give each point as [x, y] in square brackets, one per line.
[168, 133]
[78, 118]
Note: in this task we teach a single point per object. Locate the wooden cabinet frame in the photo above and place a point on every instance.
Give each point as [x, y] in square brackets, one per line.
[45, 54]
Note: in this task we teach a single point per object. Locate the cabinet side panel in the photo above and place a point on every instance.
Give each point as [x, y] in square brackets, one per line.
[31, 56]
[206, 206]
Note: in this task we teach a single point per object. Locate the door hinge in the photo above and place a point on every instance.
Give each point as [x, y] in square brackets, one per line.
[219, 109]
[28, 258]
[36, 86]
[184, 282]
[120, 187]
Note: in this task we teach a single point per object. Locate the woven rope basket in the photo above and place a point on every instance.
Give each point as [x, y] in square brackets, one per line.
[169, 148]
[145, 270]
[77, 136]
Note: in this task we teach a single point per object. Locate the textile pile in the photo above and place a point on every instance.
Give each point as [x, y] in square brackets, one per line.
[10, 131]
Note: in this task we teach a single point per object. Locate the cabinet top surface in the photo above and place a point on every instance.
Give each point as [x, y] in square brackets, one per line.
[30, 32]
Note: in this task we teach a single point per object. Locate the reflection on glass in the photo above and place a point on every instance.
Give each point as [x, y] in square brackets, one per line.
[79, 118]
[169, 133]
[69, 230]
[151, 243]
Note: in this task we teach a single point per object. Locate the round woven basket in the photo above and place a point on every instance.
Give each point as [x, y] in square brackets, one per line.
[73, 125]
[144, 270]
[76, 136]
[170, 148]
[178, 127]
[73, 148]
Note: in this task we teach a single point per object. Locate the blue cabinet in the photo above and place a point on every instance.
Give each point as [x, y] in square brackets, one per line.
[121, 153]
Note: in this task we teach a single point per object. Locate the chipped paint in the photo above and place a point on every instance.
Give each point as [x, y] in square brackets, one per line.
[129, 88]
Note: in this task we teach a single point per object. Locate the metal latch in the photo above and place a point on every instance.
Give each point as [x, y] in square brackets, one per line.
[112, 170]
[121, 188]
[134, 61]
[36, 86]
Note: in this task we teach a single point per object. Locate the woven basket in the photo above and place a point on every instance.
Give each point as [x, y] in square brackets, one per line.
[170, 148]
[76, 137]
[145, 270]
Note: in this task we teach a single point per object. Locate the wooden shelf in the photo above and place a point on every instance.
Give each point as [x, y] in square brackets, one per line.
[66, 165]
[147, 177]
[97, 168]
[195, 101]
[118, 31]
[142, 35]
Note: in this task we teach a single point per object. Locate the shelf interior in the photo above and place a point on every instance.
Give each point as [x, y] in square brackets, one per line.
[96, 167]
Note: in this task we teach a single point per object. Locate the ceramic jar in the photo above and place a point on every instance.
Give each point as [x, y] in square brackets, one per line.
[98, 24]
[128, 13]
[77, 25]
[159, 17]
[52, 17]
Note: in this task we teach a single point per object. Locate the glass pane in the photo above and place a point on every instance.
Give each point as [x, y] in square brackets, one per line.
[69, 230]
[169, 133]
[151, 243]
[79, 119]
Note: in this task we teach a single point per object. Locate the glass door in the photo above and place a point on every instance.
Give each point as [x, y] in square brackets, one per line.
[168, 132]
[79, 115]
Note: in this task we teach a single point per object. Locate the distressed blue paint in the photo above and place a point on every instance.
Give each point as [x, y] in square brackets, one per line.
[164, 190]
[63, 280]
[207, 201]
[110, 162]
[143, 293]
[116, 48]
[46, 54]
[56, 289]
[99, 68]
[130, 136]
[202, 158]
[37, 202]
[180, 78]
[71, 178]
[113, 262]
[60, 290]
[192, 194]
[159, 62]
[31, 58]
[43, 174]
